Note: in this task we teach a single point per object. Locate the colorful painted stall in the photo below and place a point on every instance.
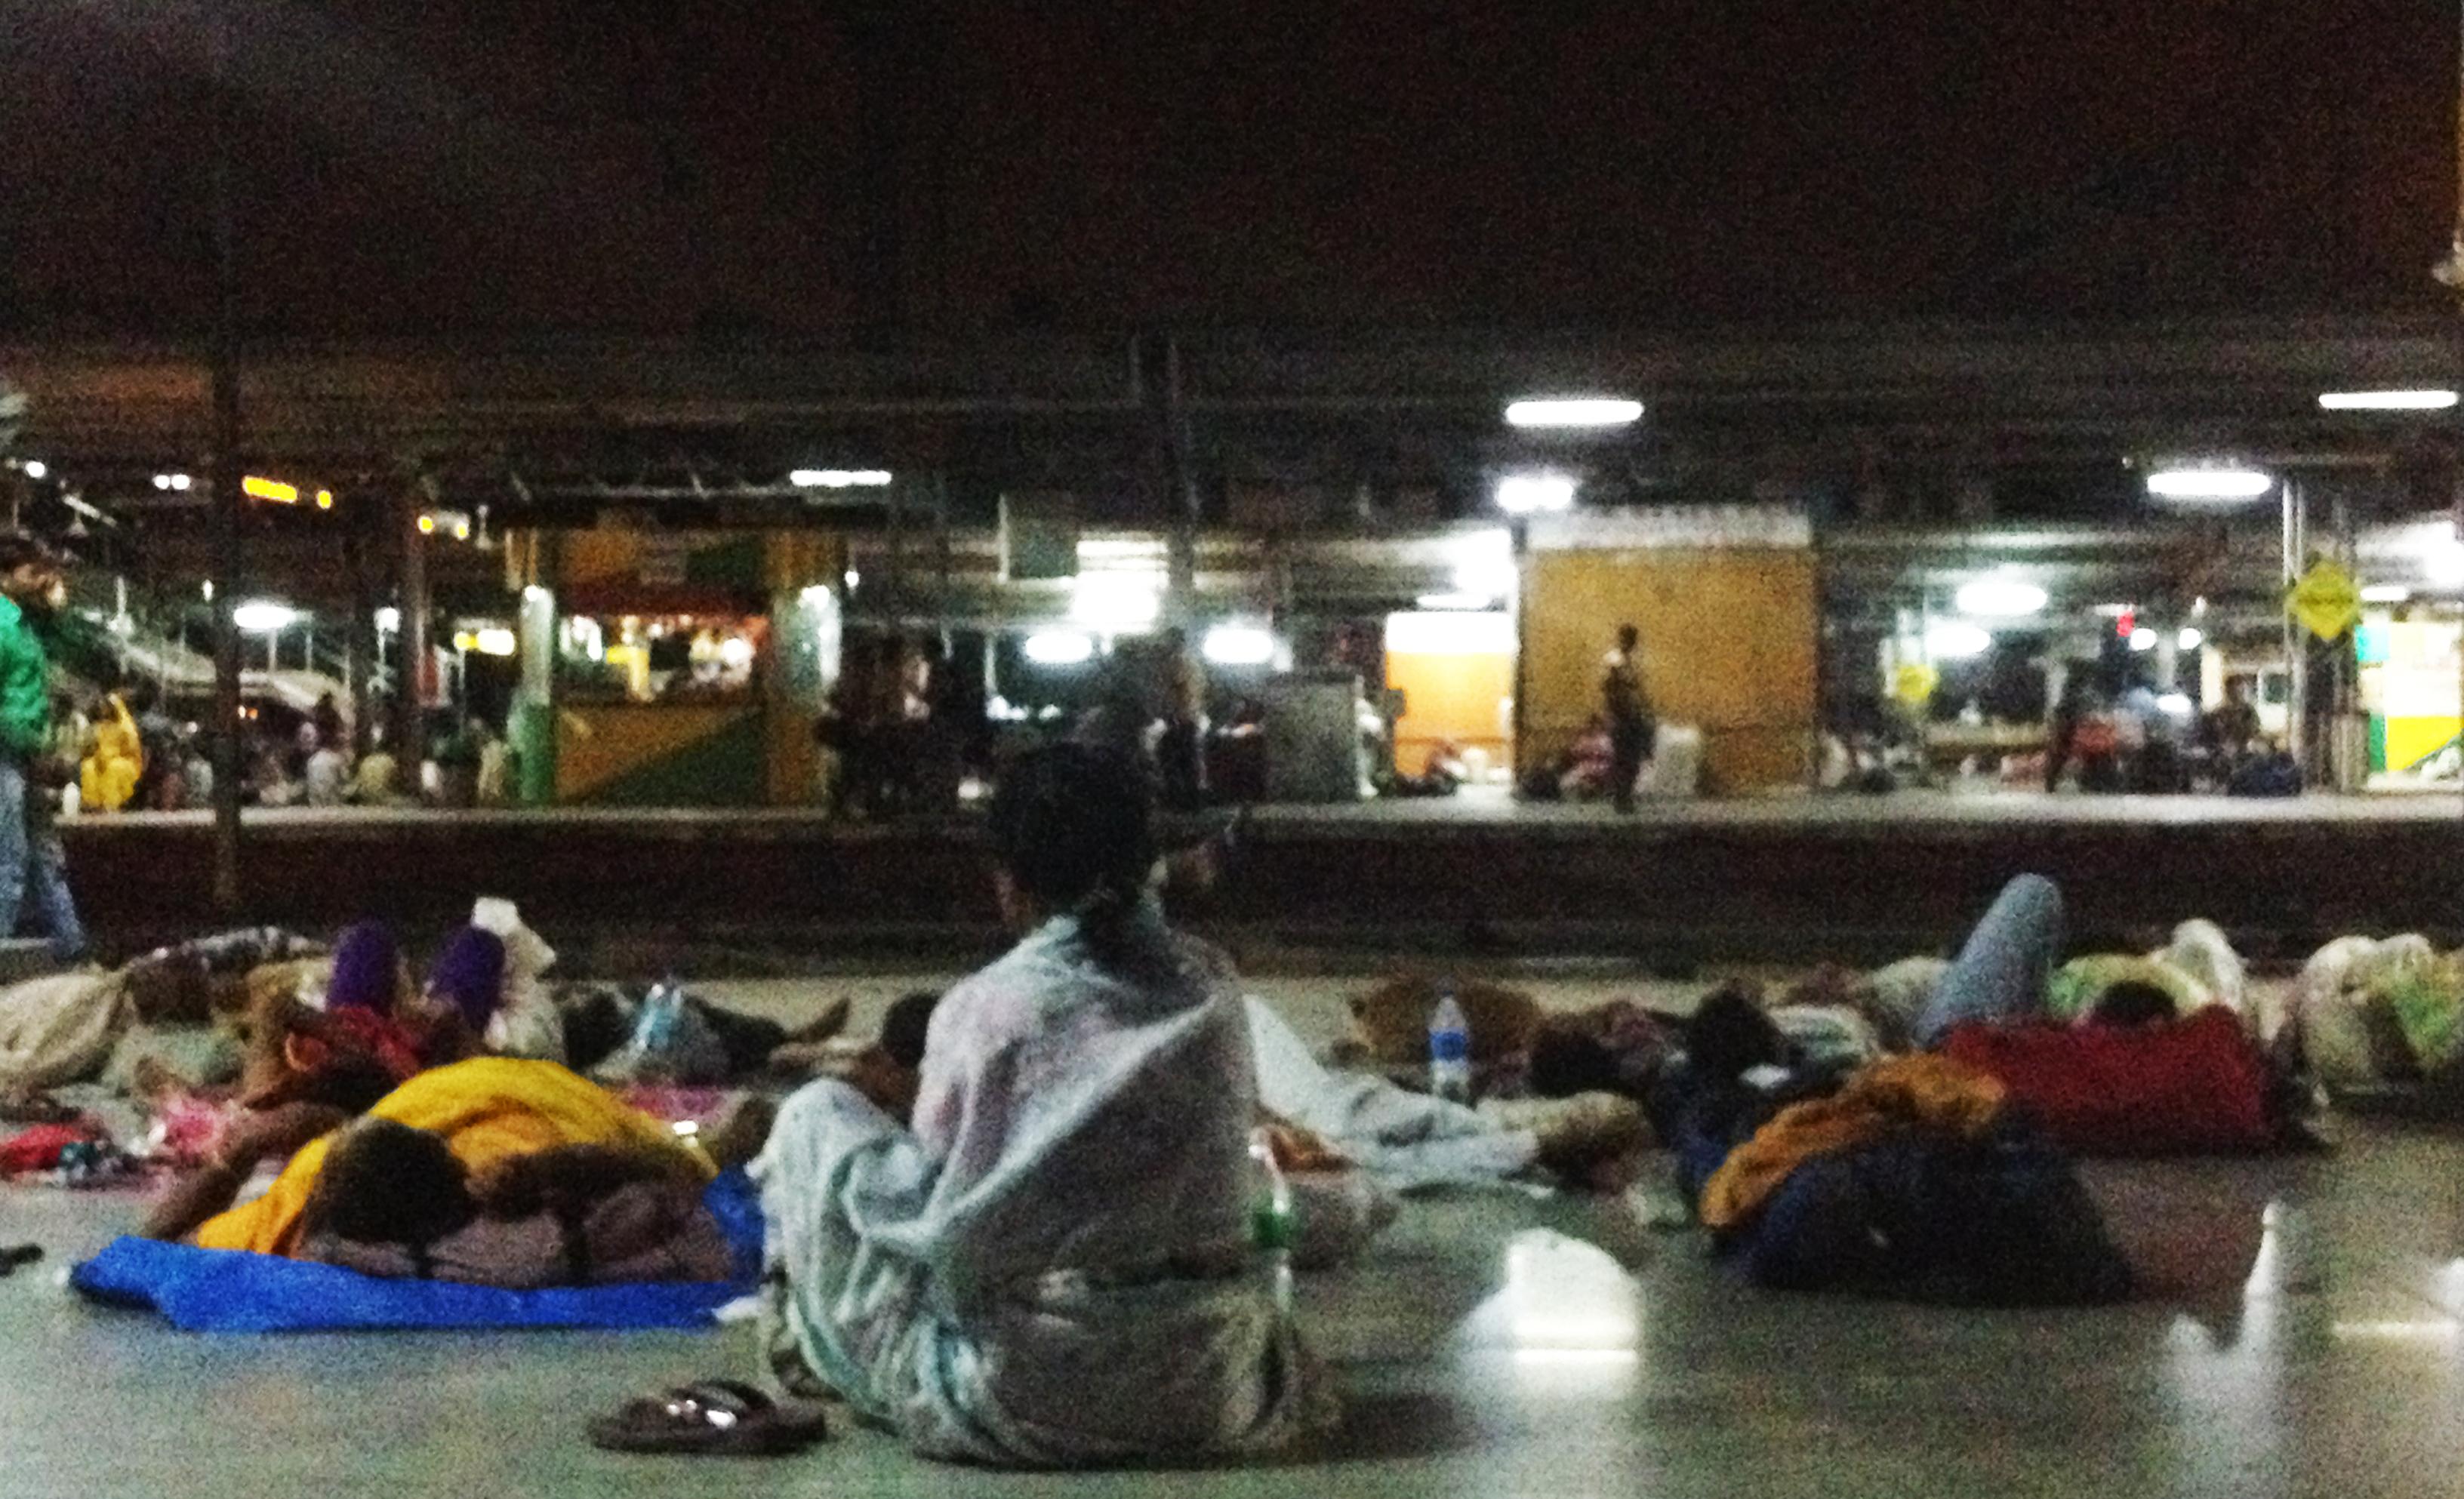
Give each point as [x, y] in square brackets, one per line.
[674, 668]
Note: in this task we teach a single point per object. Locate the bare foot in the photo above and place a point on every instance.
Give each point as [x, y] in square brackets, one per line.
[740, 1137]
[833, 1020]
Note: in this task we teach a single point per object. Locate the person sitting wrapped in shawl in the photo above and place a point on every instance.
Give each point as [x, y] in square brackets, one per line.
[1053, 1265]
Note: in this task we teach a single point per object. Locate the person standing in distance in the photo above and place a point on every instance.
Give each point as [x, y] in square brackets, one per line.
[32, 862]
[1628, 707]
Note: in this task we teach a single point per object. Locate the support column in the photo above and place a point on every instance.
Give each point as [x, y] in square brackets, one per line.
[360, 635]
[226, 476]
[1176, 477]
[2295, 660]
[410, 641]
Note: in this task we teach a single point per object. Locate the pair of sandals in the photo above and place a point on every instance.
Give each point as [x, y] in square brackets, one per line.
[711, 1418]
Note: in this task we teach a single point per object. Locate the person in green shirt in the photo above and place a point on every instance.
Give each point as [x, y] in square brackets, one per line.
[32, 862]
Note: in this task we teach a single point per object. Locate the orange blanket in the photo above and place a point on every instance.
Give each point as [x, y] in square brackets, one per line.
[1923, 1091]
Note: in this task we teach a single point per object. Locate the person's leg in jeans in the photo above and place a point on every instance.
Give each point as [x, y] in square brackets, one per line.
[16, 845]
[2000, 976]
[47, 879]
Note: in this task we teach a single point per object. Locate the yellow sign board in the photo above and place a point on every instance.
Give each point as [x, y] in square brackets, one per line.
[2326, 602]
[1914, 684]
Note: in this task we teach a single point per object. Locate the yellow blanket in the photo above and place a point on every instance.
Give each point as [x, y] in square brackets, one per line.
[487, 1108]
[1923, 1090]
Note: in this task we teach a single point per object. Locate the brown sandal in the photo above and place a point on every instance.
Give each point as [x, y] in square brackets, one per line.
[713, 1418]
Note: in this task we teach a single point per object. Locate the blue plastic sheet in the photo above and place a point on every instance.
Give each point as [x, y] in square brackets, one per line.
[228, 1290]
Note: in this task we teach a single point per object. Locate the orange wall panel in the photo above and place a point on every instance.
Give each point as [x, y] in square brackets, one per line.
[1729, 644]
[1458, 697]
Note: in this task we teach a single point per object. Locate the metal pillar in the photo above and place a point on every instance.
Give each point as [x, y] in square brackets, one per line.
[359, 639]
[2296, 691]
[226, 476]
[2341, 745]
[411, 640]
[1181, 479]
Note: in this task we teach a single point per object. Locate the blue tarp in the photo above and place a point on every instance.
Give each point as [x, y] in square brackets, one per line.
[227, 1290]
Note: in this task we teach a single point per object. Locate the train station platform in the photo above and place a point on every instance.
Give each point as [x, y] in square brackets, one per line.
[1858, 878]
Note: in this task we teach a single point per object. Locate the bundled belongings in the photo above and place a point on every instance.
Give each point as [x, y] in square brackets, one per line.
[2381, 1020]
[2194, 1085]
[60, 1029]
[1993, 1219]
[1914, 1181]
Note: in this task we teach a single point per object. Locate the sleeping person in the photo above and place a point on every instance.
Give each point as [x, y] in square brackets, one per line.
[510, 1129]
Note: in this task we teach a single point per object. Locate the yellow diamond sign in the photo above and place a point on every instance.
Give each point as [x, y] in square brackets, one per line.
[2325, 600]
[1914, 684]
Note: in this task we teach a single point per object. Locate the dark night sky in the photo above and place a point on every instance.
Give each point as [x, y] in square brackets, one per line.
[495, 165]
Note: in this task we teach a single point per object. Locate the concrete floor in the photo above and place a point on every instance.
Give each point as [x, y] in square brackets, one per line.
[1490, 1344]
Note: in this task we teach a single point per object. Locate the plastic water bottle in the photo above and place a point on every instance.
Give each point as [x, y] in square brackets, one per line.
[1449, 1047]
[1270, 1215]
[656, 1030]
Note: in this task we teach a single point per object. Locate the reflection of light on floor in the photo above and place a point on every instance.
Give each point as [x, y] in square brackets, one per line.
[2434, 1329]
[2288, 1258]
[1567, 1311]
[1563, 1293]
[1576, 1357]
[2451, 1285]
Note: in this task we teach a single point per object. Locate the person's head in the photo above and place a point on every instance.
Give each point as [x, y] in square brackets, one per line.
[1628, 637]
[1729, 1034]
[1566, 1061]
[368, 969]
[1073, 831]
[470, 976]
[29, 571]
[2131, 1002]
[385, 1183]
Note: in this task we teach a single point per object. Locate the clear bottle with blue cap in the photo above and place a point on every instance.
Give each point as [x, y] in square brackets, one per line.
[1449, 1047]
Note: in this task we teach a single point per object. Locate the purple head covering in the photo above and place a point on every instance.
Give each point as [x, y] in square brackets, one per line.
[368, 969]
[469, 975]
